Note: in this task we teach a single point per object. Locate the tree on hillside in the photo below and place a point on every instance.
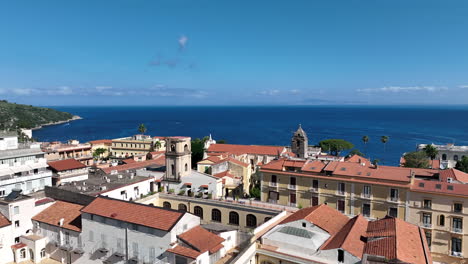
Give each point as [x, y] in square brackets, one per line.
[416, 159]
[355, 152]
[197, 150]
[335, 146]
[462, 164]
[365, 139]
[142, 128]
[98, 152]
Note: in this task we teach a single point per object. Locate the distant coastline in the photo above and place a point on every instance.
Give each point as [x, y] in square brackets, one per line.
[75, 117]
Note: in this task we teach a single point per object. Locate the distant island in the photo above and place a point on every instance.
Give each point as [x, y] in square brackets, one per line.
[15, 116]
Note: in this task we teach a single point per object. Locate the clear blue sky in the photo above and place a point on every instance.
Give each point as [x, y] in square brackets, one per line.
[198, 52]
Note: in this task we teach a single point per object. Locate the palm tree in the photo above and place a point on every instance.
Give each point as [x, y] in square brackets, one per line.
[157, 144]
[142, 128]
[384, 140]
[365, 139]
[431, 152]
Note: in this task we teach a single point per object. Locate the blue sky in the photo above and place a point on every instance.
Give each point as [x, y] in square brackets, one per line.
[198, 52]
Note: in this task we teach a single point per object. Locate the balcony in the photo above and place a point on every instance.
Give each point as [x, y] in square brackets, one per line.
[341, 193]
[456, 254]
[366, 196]
[427, 225]
[273, 184]
[314, 189]
[393, 199]
[457, 230]
[292, 187]
[292, 204]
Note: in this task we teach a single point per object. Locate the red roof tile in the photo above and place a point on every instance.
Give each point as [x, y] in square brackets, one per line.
[358, 159]
[135, 165]
[184, 251]
[201, 239]
[224, 174]
[246, 149]
[443, 188]
[150, 216]
[101, 141]
[18, 246]
[454, 174]
[4, 221]
[323, 216]
[68, 211]
[128, 161]
[68, 164]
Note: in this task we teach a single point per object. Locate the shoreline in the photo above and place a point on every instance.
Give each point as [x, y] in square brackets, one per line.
[75, 117]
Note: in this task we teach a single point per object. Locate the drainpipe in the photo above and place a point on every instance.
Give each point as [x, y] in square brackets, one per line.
[126, 243]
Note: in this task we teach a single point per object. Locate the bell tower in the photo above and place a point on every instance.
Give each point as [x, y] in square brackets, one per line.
[300, 143]
[178, 158]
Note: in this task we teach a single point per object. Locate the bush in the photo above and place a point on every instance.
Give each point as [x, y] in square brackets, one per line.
[209, 196]
[255, 192]
[181, 192]
[160, 189]
[171, 190]
[191, 194]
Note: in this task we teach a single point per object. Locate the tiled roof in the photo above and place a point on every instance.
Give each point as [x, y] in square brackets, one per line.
[454, 174]
[433, 164]
[210, 160]
[70, 212]
[201, 239]
[246, 149]
[314, 166]
[458, 189]
[349, 237]
[68, 164]
[18, 246]
[238, 162]
[396, 239]
[128, 161]
[358, 159]
[101, 141]
[184, 251]
[323, 216]
[4, 221]
[135, 165]
[224, 174]
[150, 216]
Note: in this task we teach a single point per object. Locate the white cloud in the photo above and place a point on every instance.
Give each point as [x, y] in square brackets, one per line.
[270, 92]
[294, 91]
[463, 86]
[182, 42]
[399, 89]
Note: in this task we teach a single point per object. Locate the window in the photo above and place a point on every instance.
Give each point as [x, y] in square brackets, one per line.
[457, 207]
[304, 224]
[455, 157]
[341, 206]
[273, 197]
[315, 185]
[198, 211]
[394, 195]
[292, 199]
[341, 188]
[182, 207]
[456, 246]
[17, 223]
[23, 253]
[216, 215]
[444, 156]
[441, 220]
[136, 191]
[366, 191]
[17, 240]
[233, 218]
[315, 200]
[427, 220]
[292, 183]
[173, 170]
[427, 204]
[91, 236]
[167, 205]
[67, 238]
[251, 220]
[429, 238]
[152, 254]
[273, 180]
[366, 210]
[2, 193]
[340, 256]
[135, 249]
[186, 167]
[43, 253]
[393, 212]
[124, 195]
[16, 210]
[457, 224]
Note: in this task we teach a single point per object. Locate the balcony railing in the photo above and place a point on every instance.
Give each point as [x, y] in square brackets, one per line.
[366, 195]
[273, 184]
[457, 230]
[393, 199]
[456, 254]
[292, 187]
[341, 192]
[427, 225]
[314, 189]
[292, 204]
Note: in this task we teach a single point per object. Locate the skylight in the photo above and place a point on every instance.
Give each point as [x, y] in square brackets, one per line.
[294, 231]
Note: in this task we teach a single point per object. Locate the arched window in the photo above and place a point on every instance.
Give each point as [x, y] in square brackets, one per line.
[186, 148]
[172, 169]
[233, 218]
[43, 254]
[173, 147]
[251, 220]
[444, 156]
[442, 220]
[186, 167]
[23, 253]
[216, 215]
[182, 207]
[455, 157]
[198, 211]
[167, 205]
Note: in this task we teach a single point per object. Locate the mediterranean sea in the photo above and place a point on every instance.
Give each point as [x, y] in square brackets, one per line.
[405, 126]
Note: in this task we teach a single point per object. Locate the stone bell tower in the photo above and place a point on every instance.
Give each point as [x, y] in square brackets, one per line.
[300, 143]
[178, 158]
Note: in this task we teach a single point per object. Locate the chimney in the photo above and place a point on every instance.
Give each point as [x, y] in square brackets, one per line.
[61, 221]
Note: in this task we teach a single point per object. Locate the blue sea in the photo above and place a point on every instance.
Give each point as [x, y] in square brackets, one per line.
[406, 126]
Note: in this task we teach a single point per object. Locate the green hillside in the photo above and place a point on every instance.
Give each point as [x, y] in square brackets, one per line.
[14, 116]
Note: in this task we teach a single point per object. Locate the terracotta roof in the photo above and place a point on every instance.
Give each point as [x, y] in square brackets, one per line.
[224, 174]
[314, 166]
[4, 221]
[70, 212]
[135, 165]
[454, 174]
[396, 239]
[238, 162]
[283, 162]
[323, 216]
[44, 201]
[358, 159]
[184, 251]
[18, 246]
[201, 239]
[150, 216]
[444, 188]
[433, 164]
[349, 237]
[210, 160]
[246, 149]
[68, 164]
[128, 161]
[101, 141]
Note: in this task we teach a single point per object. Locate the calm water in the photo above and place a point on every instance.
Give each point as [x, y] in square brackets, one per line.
[406, 126]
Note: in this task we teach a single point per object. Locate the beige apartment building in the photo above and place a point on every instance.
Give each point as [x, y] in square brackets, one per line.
[136, 145]
[355, 186]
